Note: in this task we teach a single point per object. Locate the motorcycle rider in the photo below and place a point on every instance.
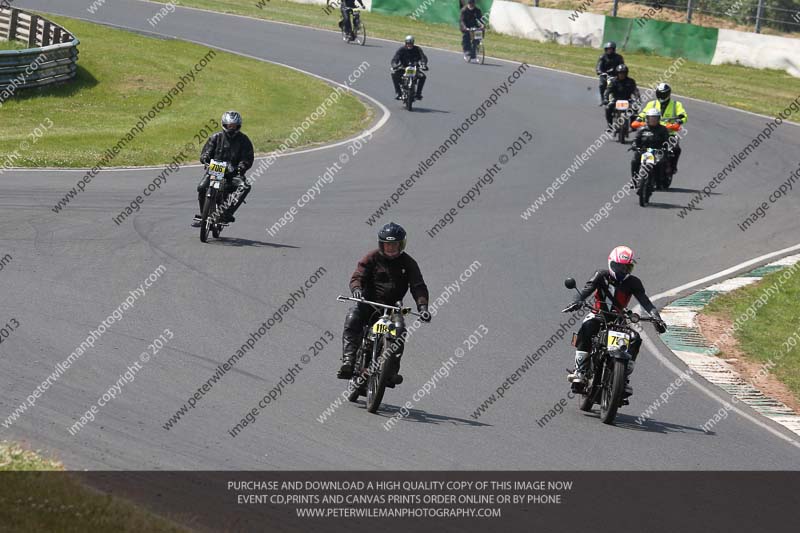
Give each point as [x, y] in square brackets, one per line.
[670, 110]
[233, 146]
[383, 276]
[470, 18]
[407, 54]
[620, 88]
[346, 7]
[612, 290]
[653, 135]
[607, 63]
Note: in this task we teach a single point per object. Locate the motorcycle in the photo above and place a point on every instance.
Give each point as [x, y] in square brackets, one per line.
[674, 126]
[215, 195]
[476, 45]
[651, 173]
[608, 361]
[621, 118]
[358, 27]
[378, 356]
[604, 77]
[408, 85]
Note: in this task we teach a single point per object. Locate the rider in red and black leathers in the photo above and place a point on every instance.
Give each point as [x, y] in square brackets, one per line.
[383, 277]
[612, 291]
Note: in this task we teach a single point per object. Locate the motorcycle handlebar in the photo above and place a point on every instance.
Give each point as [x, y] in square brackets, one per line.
[407, 310]
[626, 314]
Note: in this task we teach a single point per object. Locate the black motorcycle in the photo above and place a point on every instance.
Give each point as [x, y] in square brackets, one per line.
[215, 195]
[378, 357]
[408, 84]
[652, 173]
[608, 361]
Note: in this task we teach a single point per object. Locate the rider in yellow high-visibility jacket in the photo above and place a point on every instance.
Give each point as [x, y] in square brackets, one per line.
[670, 109]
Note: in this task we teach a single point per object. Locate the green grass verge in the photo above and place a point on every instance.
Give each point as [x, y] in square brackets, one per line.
[122, 75]
[762, 337]
[759, 91]
[52, 501]
[12, 45]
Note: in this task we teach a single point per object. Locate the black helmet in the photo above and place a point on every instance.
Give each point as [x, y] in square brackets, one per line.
[392, 232]
[610, 44]
[409, 39]
[622, 69]
[663, 92]
[231, 118]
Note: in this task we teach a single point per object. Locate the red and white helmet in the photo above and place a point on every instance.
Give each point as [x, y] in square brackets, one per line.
[620, 262]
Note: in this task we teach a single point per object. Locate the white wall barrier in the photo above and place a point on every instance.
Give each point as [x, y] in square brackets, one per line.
[542, 24]
[759, 51]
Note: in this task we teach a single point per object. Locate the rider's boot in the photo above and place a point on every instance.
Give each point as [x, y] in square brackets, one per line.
[578, 376]
[349, 348]
[628, 387]
[396, 378]
[346, 370]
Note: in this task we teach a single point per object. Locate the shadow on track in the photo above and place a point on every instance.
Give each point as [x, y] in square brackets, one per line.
[692, 191]
[235, 241]
[417, 415]
[653, 426]
[658, 205]
[426, 110]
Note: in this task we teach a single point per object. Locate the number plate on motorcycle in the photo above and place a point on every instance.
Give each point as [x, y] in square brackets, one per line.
[411, 71]
[618, 338]
[381, 327]
[217, 166]
[478, 34]
[648, 158]
[622, 105]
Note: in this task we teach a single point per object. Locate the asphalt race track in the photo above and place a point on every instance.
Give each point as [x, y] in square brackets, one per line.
[72, 269]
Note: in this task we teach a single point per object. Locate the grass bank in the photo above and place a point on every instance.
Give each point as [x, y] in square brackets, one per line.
[35, 495]
[765, 338]
[123, 75]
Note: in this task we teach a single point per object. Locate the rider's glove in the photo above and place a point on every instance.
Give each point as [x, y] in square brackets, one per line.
[425, 315]
[357, 293]
[241, 169]
[661, 326]
[574, 306]
[679, 121]
[424, 66]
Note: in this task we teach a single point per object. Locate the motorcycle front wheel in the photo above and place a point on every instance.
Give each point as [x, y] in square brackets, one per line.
[376, 385]
[613, 388]
[644, 191]
[208, 208]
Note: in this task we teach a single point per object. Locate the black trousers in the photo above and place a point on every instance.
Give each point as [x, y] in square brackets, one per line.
[348, 26]
[397, 76]
[231, 184]
[360, 316]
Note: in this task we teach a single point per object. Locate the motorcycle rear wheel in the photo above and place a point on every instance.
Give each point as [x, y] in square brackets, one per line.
[587, 401]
